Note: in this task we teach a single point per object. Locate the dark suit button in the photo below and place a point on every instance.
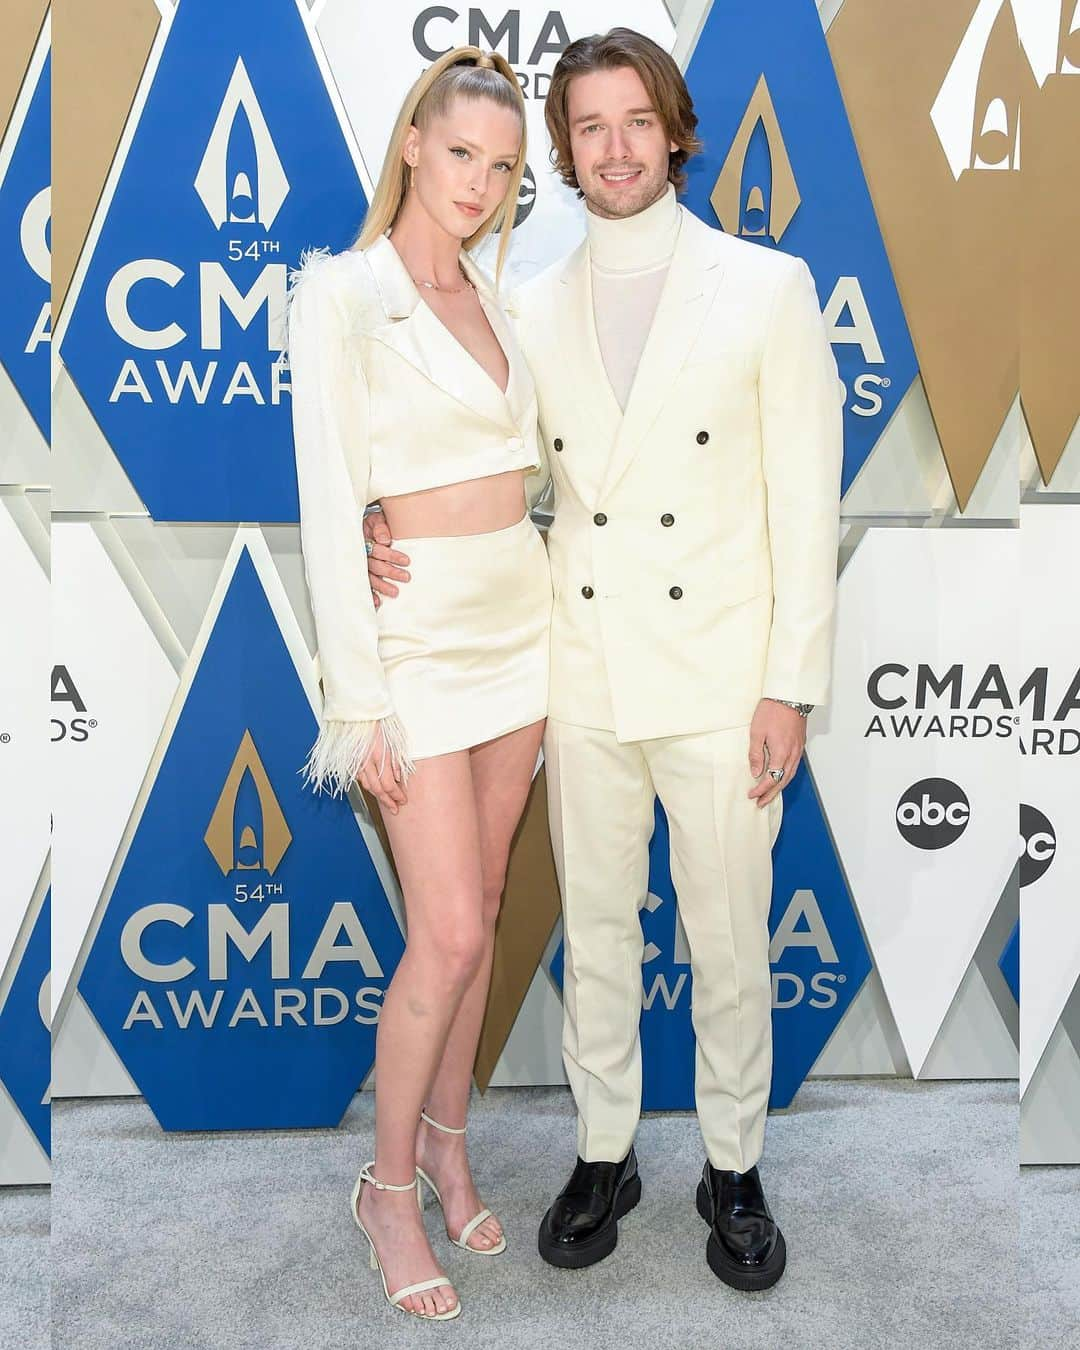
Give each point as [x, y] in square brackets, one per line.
[557, 442]
[599, 518]
[675, 592]
[667, 518]
[587, 592]
[702, 437]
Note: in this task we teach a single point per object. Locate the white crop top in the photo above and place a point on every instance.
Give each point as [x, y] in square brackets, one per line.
[385, 400]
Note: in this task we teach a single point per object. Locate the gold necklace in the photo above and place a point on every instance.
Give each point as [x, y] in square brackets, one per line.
[447, 290]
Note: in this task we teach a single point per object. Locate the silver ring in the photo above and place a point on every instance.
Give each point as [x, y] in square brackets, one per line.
[369, 547]
[776, 774]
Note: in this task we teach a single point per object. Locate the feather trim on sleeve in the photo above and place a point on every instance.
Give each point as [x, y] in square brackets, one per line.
[312, 260]
[343, 748]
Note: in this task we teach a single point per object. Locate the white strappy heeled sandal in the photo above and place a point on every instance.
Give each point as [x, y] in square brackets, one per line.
[462, 1239]
[395, 1299]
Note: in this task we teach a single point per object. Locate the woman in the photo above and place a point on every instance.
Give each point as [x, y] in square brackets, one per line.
[408, 388]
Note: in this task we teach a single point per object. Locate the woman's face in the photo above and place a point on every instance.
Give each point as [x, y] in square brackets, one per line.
[463, 161]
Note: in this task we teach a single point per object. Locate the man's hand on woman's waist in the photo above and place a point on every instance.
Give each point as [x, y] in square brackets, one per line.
[385, 564]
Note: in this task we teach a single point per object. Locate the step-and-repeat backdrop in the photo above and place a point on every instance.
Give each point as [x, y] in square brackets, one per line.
[221, 939]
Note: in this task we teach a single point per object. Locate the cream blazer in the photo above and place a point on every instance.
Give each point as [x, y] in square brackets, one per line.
[385, 400]
[701, 573]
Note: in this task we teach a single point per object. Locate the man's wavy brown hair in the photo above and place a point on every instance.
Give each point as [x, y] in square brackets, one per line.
[663, 83]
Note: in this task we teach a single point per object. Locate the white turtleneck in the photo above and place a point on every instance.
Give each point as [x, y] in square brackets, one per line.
[629, 260]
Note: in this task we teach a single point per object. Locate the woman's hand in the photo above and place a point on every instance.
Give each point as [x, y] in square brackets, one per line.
[384, 562]
[377, 776]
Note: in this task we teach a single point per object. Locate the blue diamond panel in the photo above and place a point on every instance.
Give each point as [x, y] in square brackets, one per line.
[25, 1046]
[818, 965]
[1009, 961]
[25, 245]
[797, 184]
[238, 161]
[241, 962]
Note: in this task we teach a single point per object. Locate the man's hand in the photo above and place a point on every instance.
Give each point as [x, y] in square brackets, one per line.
[777, 740]
[383, 562]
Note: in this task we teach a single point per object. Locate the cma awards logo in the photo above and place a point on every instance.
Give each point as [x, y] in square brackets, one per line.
[801, 929]
[241, 180]
[1038, 844]
[242, 957]
[437, 29]
[237, 161]
[248, 833]
[780, 168]
[240, 183]
[756, 195]
[959, 702]
[978, 111]
[71, 720]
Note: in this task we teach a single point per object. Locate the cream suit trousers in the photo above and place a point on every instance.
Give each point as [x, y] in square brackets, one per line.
[600, 806]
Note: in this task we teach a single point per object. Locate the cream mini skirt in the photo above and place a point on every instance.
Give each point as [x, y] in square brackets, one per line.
[464, 643]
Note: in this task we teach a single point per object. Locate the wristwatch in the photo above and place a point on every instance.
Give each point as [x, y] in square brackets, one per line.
[803, 709]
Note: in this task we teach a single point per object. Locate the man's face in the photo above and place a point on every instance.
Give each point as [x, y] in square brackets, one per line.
[619, 144]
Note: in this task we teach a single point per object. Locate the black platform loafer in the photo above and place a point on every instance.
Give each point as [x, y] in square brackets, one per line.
[745, 1248]
[581, 1227]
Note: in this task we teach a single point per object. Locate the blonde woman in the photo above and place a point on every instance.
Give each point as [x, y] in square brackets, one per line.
[408, 387]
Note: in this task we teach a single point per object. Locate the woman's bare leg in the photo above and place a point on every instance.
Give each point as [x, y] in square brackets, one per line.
[502, 773]
[435, 839]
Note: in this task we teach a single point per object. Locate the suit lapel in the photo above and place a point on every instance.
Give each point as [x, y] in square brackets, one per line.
[689, 288]
[586, 389]
[582, 317]
[420, 337]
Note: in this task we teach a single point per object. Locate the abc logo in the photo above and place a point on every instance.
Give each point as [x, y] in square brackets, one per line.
[933, 813]
[1038, 843]
[526, 197]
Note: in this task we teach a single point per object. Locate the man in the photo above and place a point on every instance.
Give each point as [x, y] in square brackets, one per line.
[690, 410]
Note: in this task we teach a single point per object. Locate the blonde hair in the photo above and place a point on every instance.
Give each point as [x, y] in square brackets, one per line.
[464, 72]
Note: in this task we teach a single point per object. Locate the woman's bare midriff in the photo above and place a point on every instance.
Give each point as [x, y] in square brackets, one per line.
[473, 507]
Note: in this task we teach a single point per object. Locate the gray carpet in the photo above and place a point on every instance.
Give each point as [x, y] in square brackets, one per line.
[24, 1267]
[898, 1200]
[1049, 1258]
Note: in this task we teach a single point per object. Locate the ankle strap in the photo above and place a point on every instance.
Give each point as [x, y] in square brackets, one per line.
[367, 1175]
[446, 1129]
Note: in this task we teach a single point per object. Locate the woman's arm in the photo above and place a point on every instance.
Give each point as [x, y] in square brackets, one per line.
[358, 728]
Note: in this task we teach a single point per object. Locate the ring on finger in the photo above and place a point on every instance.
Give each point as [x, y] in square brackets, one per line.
[776, 774]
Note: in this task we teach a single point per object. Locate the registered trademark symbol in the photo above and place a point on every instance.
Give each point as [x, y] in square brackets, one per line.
[841, 978]
[1016, 720]
[5, 737]
[93, 722]
[886, 382]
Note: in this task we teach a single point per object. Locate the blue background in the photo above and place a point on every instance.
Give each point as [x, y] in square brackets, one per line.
[247, 1076]
[211, 462]
[834, 228]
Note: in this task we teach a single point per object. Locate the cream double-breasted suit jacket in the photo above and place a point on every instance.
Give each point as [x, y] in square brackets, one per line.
[693, 560]
[694, 544]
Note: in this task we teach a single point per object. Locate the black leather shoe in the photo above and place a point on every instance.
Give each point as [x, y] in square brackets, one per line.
[581, 1226]
[745, 1248]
